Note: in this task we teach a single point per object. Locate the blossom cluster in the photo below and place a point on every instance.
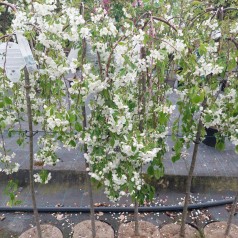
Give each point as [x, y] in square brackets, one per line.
[6, 165]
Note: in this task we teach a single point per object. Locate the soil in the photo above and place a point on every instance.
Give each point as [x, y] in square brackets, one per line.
[84, 230]
[217, 230]
[48, 231]
[172, 231]
[146, 230]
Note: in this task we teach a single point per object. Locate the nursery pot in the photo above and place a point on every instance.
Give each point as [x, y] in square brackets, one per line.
[172, 230]
[210, 139]
[84, 229]
[217, 230]
[146, 230]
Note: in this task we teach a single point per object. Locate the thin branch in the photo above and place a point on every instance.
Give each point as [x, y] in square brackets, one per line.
[165, 21]
[230, 9]
[211, 9]
[111, 53]
[5, 61]
[167, 43]
[233, 41]
[6, 36]
[36, 27]
[230, 39]
[146, 23]
[196, 17]
[142, 16]
[100, 64]
[9, 5]
[3, 143]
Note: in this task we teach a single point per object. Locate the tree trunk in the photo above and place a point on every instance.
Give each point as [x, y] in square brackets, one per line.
[142, 91]
[189, 180]
[232, 213]
[136, 217]
[90, 191]
[92, 212]
[31, 155]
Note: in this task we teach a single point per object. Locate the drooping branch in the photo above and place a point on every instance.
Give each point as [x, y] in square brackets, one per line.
[111, 53]
[141, 17]
[196, 17]
[233, 41]
[230, 9]
[164, 21]
[100, 64]
[146, 23]
[13, 7]
[217, 10]
[211, 9]
[230, 39]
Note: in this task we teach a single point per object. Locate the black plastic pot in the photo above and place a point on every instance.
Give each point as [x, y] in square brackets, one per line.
[210, 138]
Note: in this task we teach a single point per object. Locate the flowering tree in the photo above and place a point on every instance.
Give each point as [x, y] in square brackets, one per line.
[130, 110]
[46, 90]
[209, 63]
[126, 128]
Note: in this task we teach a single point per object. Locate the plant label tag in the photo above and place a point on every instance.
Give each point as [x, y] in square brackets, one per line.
[13, 75]
[26, 52]
[11, 60]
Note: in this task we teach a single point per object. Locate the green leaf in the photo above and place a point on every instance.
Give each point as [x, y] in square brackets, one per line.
[7, 100]
[197, 98]
[236, 149]
[162, 118]
[158, 173]
[202, 49]
[11, 191]
[72, 118]
[176, 157]
[150, 170]
[208, 118]
[232, 64]
[78, 127]
[44, 175]
[178, 146]
[220, 145]
[72, 143]
[151, 193]
[196, 3]
[20, 141]
[112, 141]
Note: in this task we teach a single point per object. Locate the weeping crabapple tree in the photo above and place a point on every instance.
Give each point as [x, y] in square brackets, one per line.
[211, 36]
[45, 96]
[223, 116]
[130, 111]
[52, 108]
[223, 113]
